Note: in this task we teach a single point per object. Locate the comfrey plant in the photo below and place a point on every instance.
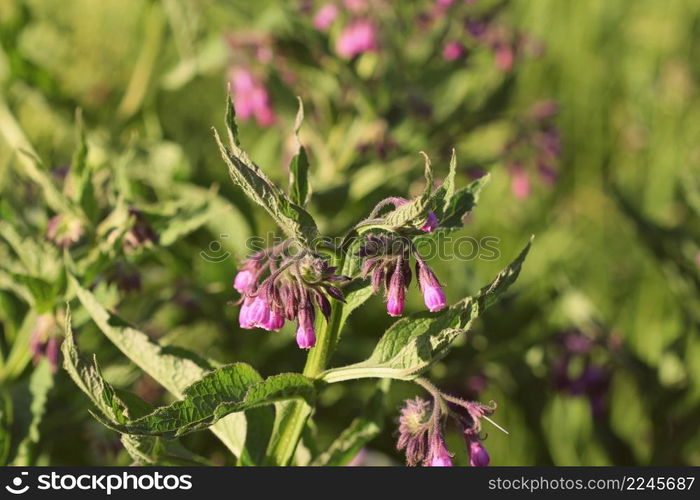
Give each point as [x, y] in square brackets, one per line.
[310, 280]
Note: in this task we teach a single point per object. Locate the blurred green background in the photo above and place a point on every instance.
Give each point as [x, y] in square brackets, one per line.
[593, 359]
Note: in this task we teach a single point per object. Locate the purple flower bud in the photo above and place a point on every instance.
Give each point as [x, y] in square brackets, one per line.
[243, 281]
[433, 294]
[396, 299]
[431, 224]
[306, 336]
[478, 456]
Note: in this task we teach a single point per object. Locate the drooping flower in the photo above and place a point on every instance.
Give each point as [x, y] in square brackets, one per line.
[433, 294]
[396, 295]
[325, 16]
[277, 286]
[386, 258]
[478, 456]
[306, 336]
[356, 38]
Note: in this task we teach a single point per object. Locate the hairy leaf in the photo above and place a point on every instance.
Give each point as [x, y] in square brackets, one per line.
[291, 218]
[174, 369]
[40, 383]
[229, 389]
[299, 189]
[120, 407]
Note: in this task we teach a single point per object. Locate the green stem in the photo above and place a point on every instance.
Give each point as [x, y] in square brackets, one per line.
[295, 414]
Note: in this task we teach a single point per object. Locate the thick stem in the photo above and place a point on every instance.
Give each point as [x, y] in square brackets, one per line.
[293, 420]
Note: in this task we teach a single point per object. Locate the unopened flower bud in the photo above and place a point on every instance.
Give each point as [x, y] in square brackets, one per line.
[478, 456]
[433, 294]
[396, 298]
[306, 336]
[431, 224]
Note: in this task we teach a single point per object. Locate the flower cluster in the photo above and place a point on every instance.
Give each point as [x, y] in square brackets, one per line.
[421, 431]
[480, 31]
[534, 149]
[278, 287]
[386, 259]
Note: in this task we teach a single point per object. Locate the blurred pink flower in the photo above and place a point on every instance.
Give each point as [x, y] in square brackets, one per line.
[325, 16]
[520, 183]
[452, 51]
[356, 38]
[250, 98]
[504, 58]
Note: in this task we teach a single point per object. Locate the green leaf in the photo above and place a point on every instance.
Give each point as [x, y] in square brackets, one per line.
[229, 389]
[414, 343]
[120, 407]
[360, 432]
[291, 218]
[30, 166]
[173, 368]
[40, 383]
[415, 212]
[20, 355]
[89, 379]
[78, 186]
[461, 203]
[299, 189]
